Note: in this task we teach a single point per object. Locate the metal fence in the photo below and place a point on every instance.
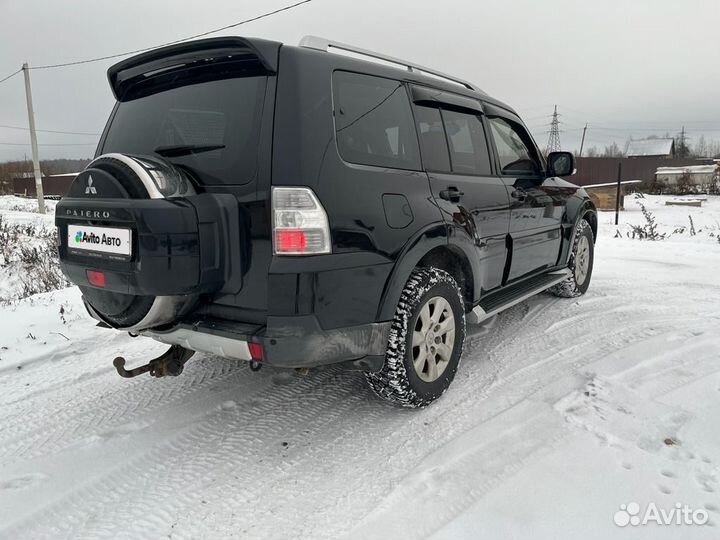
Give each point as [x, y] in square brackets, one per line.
[600, 170]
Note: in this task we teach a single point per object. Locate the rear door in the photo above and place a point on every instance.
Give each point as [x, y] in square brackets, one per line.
[207, 107]
[535, 215]
[457, 159]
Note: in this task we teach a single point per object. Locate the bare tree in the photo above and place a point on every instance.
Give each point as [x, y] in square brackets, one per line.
[613, 150]
[714, 149]
[701, 147]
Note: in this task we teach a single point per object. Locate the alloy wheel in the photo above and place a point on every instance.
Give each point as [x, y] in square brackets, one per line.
[433, 339]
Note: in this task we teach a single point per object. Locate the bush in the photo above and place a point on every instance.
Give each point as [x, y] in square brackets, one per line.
[648, 230]
[685, 185]
[654, 187]
[29, 251]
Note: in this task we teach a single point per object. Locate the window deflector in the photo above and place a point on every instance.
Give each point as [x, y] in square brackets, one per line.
[431, 97]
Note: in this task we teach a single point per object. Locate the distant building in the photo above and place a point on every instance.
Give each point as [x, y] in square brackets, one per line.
[703, 177]
[54, 185]
[663, 148]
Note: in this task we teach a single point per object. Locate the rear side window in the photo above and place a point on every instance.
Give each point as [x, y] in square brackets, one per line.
[223, 116]
[432, 139]
[373, 122]
[468, 147]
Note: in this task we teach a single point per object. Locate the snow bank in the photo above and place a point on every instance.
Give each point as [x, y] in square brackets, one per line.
[28, 251]
[24, 209]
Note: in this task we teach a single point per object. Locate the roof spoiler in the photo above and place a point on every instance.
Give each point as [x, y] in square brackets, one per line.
[124, 74]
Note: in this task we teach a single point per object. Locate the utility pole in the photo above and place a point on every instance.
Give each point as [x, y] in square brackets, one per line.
[582, 142]
[33, 141]
[618, 191]
[554, 138]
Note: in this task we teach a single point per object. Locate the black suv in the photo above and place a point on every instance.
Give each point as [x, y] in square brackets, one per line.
[294, 207]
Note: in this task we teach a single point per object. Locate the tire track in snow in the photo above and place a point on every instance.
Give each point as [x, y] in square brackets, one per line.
[394, 507]
[343, 448]
[441, 487]
[146, 488]
[115, 401]
[339, 453]
[618, 341]
[59, 365]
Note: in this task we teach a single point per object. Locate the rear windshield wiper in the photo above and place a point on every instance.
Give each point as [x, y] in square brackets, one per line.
[185, 149]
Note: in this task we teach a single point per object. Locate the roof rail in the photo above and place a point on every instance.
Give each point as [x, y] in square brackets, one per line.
[323, 44]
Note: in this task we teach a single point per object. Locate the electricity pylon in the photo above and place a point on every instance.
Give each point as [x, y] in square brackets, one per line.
[553, 144]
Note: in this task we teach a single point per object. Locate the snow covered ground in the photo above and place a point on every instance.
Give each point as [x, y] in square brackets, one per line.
[562, 411]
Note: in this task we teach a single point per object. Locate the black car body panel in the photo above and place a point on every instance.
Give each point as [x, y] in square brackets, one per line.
[492, 227]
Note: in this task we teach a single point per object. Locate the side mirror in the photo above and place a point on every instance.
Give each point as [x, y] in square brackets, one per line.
[561, 164]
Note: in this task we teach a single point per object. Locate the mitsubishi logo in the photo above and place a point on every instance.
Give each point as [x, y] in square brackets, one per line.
[90, 189]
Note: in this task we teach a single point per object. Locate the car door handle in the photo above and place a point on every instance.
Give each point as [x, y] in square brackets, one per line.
[518, 194]
[451, 194]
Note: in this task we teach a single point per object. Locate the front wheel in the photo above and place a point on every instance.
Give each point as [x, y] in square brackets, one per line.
[426, 341]
[581, 264]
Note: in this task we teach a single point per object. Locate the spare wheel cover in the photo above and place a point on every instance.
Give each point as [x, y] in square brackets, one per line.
[112, 176]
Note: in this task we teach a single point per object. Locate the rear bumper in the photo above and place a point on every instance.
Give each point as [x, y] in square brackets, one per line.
[292, 342]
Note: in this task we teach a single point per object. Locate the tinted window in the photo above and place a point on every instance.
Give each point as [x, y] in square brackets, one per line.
[432, 139]
[515, 152]
[374, 122]
[468, 147]
[216, 113]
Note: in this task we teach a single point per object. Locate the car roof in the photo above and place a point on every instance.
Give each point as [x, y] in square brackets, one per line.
[387, 66]
[266, 50]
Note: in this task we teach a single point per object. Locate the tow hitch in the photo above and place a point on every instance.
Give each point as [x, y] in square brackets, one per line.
[169, 364]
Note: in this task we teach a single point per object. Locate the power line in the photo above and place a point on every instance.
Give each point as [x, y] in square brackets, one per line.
[647, 125]
[10, 76]
[51, 131]
[48, 144]
[258, 17]
[528, 119]
[620, 127]
[89, 60]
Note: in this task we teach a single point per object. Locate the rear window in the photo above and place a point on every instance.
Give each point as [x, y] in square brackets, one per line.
[225, 114]
[373, 122]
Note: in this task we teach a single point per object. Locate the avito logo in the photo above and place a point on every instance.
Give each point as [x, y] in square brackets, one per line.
[92, 238]
[632, 514]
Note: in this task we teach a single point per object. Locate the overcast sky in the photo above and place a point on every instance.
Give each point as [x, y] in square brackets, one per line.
[628, 67]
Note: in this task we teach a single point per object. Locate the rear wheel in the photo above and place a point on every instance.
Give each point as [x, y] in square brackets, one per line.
[581, 264]
[425, 343]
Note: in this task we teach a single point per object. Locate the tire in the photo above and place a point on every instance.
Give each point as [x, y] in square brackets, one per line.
[399, 381]
[581, 264]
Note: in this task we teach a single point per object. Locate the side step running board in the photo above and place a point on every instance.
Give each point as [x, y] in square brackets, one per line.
[514, 295]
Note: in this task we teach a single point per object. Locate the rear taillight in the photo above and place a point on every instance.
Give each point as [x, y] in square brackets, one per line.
[95, 278]
[300, 224]
[256, 351]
